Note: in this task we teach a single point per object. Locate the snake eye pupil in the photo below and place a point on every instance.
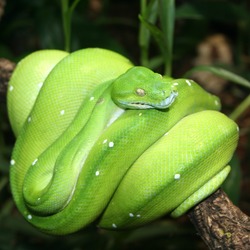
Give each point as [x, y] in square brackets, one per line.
[140, 92]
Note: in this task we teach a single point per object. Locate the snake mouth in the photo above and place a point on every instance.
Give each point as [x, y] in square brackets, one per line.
[147, 105]
[167, 101]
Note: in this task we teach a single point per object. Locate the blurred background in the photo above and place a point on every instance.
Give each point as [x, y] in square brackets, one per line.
[212, 32]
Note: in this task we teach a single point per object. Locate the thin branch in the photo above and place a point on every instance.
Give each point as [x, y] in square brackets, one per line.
[6, 69]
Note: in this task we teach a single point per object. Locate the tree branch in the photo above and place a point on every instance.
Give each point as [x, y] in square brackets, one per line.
[2, 5]
[220, 223]
[6, 69]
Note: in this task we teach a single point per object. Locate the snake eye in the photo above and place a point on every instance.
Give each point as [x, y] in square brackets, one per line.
[140, 92]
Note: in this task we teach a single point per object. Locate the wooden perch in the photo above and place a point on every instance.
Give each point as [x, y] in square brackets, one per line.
[2, 5]
[6, 69]
[219, 223]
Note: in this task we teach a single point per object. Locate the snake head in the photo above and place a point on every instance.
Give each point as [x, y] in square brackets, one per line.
[141, 88]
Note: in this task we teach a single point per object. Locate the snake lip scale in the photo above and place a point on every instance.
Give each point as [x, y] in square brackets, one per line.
[101, 140]
[142, 105]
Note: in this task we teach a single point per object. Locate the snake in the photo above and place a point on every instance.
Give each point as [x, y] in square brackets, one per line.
[102, 141]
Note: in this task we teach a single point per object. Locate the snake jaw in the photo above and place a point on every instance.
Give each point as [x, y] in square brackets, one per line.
[165, 103]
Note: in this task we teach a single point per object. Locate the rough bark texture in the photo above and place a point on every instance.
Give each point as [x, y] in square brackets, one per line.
[220, 223]
[2, 5]
[6, 69]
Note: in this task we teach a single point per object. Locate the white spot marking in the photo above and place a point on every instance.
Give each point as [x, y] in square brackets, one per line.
[111, 144]
[39, 199]
[40, 84]
[188, 82]
[140, 114]
[92, 98]
[237, 128]
[114, 225]
[105, 141]
[34, 162]
[12, 162]
[177, 176]
[62, 112]
[29, 119]
[131, 215]
[216, 102]
[176, 83]
[138, 215]
[97, 173]
[11, 88]
[29, 216]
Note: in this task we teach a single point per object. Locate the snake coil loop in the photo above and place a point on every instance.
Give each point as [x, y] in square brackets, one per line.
[99, 139]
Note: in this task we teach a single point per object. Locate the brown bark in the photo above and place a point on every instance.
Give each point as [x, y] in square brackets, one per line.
[2, 5]
[220, 223]
[6, 69]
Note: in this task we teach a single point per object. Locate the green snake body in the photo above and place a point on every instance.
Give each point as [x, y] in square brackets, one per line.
[115, 143]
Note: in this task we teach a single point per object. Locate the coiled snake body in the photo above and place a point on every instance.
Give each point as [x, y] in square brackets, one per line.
[111, 142]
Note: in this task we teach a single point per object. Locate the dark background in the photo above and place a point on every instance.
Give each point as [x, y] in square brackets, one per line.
[214, 32]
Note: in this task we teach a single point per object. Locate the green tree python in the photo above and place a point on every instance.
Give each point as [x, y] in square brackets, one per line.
[100, 140]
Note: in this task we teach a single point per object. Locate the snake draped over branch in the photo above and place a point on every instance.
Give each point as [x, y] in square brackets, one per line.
[100, 140]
